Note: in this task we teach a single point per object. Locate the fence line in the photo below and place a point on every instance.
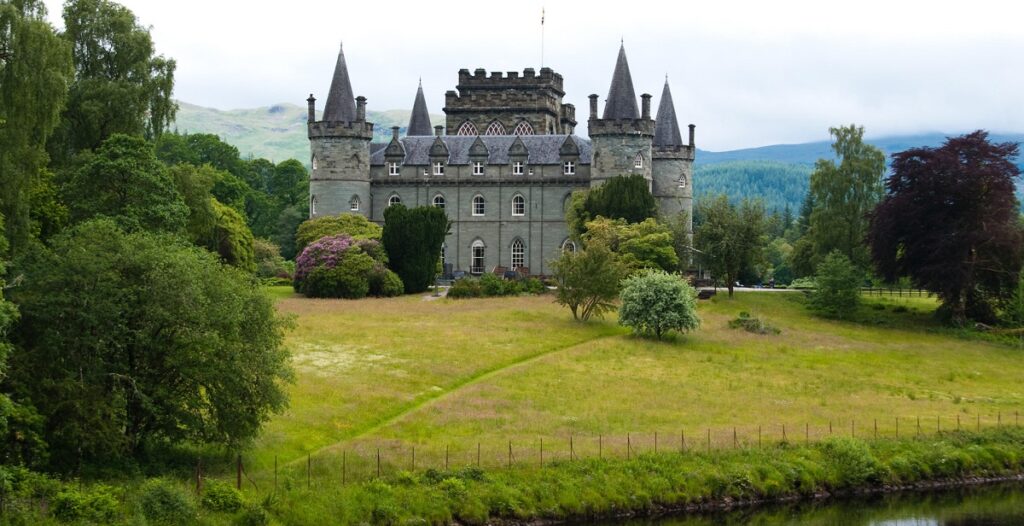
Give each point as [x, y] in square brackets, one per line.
[895, 291]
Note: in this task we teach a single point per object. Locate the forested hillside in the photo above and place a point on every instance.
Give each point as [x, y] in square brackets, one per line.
[777, 183]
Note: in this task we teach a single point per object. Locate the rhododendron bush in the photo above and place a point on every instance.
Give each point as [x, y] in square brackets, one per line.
[341, 267]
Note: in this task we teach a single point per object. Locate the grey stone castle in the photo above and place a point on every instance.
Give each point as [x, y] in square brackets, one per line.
[504, 165]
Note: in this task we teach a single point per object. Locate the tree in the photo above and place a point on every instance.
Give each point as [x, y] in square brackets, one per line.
[626, 197]
[289, 183]
[194, 184]
[8, 313]
[231, 238]
[730, 238]
[120, 86]
[844, 195]
[949, 222]
[648, 244]
[354, 225]
[124, 181]
[412, 238]
[35, 69]
[588, 280]
[654, 302]
[135, 339]
[838, 286]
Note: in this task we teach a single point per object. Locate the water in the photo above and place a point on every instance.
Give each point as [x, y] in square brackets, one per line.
[985, 505]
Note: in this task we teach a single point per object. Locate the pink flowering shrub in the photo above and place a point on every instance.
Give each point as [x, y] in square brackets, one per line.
[340, 267]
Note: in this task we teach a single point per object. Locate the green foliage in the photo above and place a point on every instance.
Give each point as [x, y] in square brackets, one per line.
[129, 339]
[354, 225]
[777, 184]
[1013, 308]
[35, 69]
[730, 238]
[384, 282]
[194, 185]
[232, 239]
[218, 496]
[588, 280]
[412, 238]
[844, 195]
[490, 285]
[349, 279]
[124, 181]
[647, 244]
[752, 324]
[622, 197]
[98, 504]
[838, 286]
[576, 215]
[655, 302]
[285, 227]
[164, 502]
[466, 288]
[269, 263]
[8, 315]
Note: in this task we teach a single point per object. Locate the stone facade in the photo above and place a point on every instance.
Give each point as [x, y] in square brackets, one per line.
[506, 194]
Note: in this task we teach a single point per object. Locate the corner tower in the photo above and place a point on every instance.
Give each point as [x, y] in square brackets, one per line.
[340, 152]
[672, 168]
[622, 137]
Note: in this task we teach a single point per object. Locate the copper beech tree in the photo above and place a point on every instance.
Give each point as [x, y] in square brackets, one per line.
[950, 222]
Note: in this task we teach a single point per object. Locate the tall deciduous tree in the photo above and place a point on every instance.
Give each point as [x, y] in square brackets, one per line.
[730, 238]
[412, 238]
[121, 85]
[950, 222]
[844, 194]
[588, 280]
[131, 339]
[626, 197]
[35, 71]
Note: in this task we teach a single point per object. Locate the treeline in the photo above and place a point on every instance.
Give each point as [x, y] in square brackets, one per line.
[777, 184]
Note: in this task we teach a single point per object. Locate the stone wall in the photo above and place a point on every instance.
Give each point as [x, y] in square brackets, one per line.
[340, 156]
[509, 98]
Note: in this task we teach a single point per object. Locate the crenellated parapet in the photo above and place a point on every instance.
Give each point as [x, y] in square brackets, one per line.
[500, 103]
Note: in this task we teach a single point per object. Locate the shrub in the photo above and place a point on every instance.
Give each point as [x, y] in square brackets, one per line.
[354, 226]
[465, 288]
[337, 267]
[838, 292]
[98, 504]
[218, 496]
[534, 286]
[231, 238]
[656, 302]
[252, 515]
[384, 283]
[492, 285]
[753, 324]
[588, 280]
[269, 263]
[164, 502]
[803, 283]
[412, 238]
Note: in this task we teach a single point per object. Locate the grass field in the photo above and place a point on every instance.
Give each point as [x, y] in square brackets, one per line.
[404, 373]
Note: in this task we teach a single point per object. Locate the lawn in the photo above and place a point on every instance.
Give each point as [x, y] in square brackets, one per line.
[447, 377]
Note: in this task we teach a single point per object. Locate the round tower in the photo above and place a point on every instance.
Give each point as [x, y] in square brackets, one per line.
[672, 169]
[622, 137]
[340, 153]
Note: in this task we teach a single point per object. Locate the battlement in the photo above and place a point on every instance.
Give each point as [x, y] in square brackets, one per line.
[644, 127]
[684, 152]
[341, 129]
[480, 79]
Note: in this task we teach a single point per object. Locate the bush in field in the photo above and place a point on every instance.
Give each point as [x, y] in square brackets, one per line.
[218, 496]
[838, 292]
[339, 267]
[269, 262]
[164, 502]
[96, 505]
[753, 324]
[384, 283]
[352, 225]
[466, 288]
[654, 302]
[588, 280]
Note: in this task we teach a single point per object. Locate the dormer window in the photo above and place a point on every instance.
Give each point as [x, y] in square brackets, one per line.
[478, 168]
[438, 168]
[569, 168]
[638, 161]
[518, 168]
[393, 169]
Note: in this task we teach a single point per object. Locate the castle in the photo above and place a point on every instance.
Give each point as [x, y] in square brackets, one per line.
[503, 166]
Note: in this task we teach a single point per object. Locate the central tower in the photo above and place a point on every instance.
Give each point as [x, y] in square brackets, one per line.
[508, 104]
[622, 136]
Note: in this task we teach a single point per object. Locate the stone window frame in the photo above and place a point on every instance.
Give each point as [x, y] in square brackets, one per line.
[682, 181]
[479, 202]
[523, 128]
[518, 202]
[393, 169]
[314, 163]
[394, 199]
[569, 168]
[638, 161]
[518, 253]
[568, 245]
[519, 168]
[495, 128]
[353, 204]
[438, 201]
[467, 128]
[438, 167]
[477, 257]
[478, 168]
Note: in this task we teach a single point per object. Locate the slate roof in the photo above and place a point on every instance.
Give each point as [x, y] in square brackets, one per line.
[419, 121]
[341, 103]
[543, 149]
[621, 102]
[666, 130]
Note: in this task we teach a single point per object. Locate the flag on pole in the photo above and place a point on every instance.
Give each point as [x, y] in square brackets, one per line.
[542, 16]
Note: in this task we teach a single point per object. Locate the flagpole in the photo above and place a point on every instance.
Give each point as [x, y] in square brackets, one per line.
[542, 38]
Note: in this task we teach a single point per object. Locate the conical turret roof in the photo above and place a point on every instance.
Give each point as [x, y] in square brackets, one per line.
[666, 130]
[419, 121]
[341, 104]
[621, 103]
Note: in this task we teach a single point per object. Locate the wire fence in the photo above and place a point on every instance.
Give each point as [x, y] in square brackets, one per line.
[364, 461]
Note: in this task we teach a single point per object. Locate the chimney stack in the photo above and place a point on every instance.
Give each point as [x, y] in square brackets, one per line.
[438, 130]
[593, 106]
[311, 101]
[692, 127]
[645, 106]
[360, 109]
[394, 133]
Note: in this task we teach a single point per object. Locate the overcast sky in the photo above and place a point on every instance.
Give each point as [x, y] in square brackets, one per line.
[746, 73]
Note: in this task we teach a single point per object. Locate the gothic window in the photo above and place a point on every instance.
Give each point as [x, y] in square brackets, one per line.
[518, 168]
[312, 206]
[569, 246]
[569, 168]
[476, 257]
[394, 200]
[438, 168]
[478, 168]
[638, 161]
[479, 205]
[353, 204]
[518, 205]
[495, 128]
[682, 181]
[518, 254]
[467, 128]
[393, 169]
[439, 201]
[523, 128]
[315, 164]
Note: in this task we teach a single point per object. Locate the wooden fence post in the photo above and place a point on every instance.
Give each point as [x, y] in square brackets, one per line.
[344, 466]
[759, 436]
[783, 432]
[876, 428]
[378, 462]
[807, 433]
[275, 473]
[199, 476]
[478, 454]
[682, 441]
[709, 440]
[446, 457]
[542, 452]
[629, 447]
[897, 427]
[510, 454]
[979, 422]
[600, 447]
[309, 463]
[853, 434]
[918, 426]
[734, 444]
[413, 458]
[572, 450]
[238, 474]
[655, 442]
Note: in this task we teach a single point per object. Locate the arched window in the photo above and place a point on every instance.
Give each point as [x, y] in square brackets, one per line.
[495, 128]
[568, 245]
[394, 200]
[353, 204]
[518, 205]
[682, 181]
[312, 206]
[523, 128]
[439, 201]
[518, 254]
[479, 205]
[315, 165]
[476, 257]
[467, 128]
[638, 161]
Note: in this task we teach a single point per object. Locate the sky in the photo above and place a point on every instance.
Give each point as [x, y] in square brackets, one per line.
[746, 73]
